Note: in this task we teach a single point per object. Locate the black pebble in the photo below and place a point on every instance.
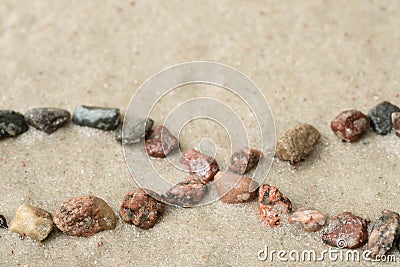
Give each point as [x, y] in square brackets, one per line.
[380, 117]
[12, 123]
[3, 222]
[133, 132]
[48, 120]
[96, 117]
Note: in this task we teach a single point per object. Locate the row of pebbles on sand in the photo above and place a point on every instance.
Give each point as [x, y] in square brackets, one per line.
[87, 215]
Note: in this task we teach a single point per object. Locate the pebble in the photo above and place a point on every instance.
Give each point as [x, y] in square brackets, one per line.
[134, 131]
[187, 193]
[346, 230]
[350, 125]
[384, 233]
[140, 209]
[297, 143]
[84, 216]
[380, 117]
[243, 160]
[233, 188]
[160, 143]
[310, 219]
[396, 123]
[271, 205]
[3, 222]
[96, 117]
[32, 222]
[12, 123]
[200, 164]
[47, 120]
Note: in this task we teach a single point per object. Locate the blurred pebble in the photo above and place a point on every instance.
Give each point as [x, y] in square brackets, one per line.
[244, 160]
[233, 188]
[133, 132]
[160, 143]
[380, 117]
[12, 123]
[3, 222]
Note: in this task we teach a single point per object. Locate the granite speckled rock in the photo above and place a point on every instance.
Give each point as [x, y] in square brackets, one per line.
[396, 123]
[47, 120]
[12, 123]
[384, 233]
[32, 222]
[84, 216]
[97, 117]
[380, 117]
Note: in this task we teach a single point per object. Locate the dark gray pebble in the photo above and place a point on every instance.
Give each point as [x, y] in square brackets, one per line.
[133, 131]
[380, 117]
[96, 117]
[12, 123]
[3, 222]
[47, 120]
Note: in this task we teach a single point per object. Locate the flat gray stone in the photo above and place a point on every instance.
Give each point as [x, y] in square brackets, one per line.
[97, 117]
[47, 120]
[12, 123]
[134, 131]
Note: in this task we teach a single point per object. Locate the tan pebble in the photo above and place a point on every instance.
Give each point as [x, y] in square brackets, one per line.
[297, 143]
[32, 222]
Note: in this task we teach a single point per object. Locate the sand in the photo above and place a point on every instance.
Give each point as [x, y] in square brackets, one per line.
[311, 59]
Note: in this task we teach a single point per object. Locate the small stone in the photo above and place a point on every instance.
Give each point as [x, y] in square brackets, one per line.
[32, 222]
[384, 234]
[12, 123]
[297, 143]
[84, 216]
[350, 125]
[187, 193]
[134, 131]
[380, 117]
[3, 222]
[346, 231]
[140, 209]
[96, 117]
[244, 160]
[233, 188]
[47, 120]
[160, 143]
[199, 164]
[272, 204]
[310, 219]
[396, 122]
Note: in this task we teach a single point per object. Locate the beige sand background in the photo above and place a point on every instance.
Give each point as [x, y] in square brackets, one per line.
[311, 59]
